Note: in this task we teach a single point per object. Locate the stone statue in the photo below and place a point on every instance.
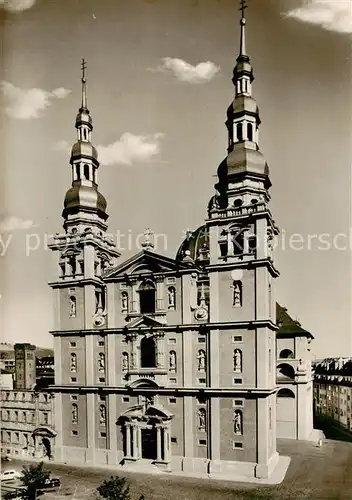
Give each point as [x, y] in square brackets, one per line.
[124, 301]
[237, 294]
[237, 423]
[172, 361]
[201, 361]
[237, 361]
[102, 414]
[125, 362]
[172, 297]
[72, 307]
[101, 362]
[73, 366]
[201, 416]
[74, 413]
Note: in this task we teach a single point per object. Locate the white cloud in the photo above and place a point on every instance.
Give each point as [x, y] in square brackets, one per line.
[30, 103]
[130, 149]
[332, 15]
[127, 150]
[185, 72]
[16, 5]
[13, 223]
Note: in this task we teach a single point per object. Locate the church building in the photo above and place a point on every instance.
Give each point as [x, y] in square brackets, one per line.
[170, 363]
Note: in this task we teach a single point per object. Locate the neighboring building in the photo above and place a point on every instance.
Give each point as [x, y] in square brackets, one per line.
[6, 380]
[26, 414]
[162, 362]
[7, 357]
[333, 390]
[25, 366]
[294, 378]
[26, 423]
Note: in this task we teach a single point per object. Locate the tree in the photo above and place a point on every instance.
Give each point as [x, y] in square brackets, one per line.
[33, 478]
[116, 488]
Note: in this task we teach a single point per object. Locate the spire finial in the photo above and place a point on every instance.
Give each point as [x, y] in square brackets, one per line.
[84, 81]
[243, 24]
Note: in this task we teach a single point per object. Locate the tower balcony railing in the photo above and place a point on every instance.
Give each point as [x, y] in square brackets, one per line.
[237, 211]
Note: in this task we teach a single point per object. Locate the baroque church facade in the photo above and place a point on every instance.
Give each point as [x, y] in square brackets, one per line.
[163, 362]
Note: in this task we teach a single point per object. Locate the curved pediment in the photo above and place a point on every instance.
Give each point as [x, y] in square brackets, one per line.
[143, 382]
[44, 431]
[143, 412]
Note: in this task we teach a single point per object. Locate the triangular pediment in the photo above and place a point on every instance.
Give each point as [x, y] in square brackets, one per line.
[144, 320]
[142, 263]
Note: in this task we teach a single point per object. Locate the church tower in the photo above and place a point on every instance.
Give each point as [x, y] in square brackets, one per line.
[84, 251]
[241, 274]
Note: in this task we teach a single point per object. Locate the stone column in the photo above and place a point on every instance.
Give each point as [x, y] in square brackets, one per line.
[134, 301]
[134, 442]
[128, 440]
[160, 293]
[160, 354]
[133, 339]
[230, 245]
[158, 444]
[166, 457]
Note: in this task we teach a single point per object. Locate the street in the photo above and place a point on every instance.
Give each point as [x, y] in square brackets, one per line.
[314, 474]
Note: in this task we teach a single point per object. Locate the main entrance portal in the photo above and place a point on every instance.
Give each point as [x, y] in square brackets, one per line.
[149, 444]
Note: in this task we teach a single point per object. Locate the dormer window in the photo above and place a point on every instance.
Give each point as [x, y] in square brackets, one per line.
[147, 294]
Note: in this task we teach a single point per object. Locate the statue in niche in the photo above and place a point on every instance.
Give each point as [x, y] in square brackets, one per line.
[124, 362]
[201, 361]
[237, 294]
[201, 419]
[171, 297]
[102, 411]
[124, 301]
[237, 418]
[237, 361]
[172, 361]
[72, 307]
[101, 362]
[301, 365]
[74, 413]
[73, 365]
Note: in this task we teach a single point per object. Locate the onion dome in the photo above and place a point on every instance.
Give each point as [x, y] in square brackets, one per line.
[82, 149]
[84, 198]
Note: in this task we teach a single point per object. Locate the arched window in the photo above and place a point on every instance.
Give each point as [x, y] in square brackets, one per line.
[147, 297]
[125, 361]
[285, 393]
[237, 360]
[202, 419]
[171, 298]
[148, 353]
[250, 131]
[237, 294]
[78, 171]
[101, 362]
[74, 413]
[86, 171]
[239, 132]
[124, 302]
[286, 354]
[73, 362]
[238, 242]
[237, 422]
[172, 361]
[285, 372]
[201, 358]
[72, 304]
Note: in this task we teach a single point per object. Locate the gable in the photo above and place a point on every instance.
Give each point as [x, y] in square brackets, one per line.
[143, 262]
[144, 320]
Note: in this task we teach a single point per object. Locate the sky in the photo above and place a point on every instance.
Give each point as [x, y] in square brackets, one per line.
[159, 83]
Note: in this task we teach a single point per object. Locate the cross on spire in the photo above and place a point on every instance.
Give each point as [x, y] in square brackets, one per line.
[243, 7]
[83, 67]
[84, 81]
